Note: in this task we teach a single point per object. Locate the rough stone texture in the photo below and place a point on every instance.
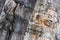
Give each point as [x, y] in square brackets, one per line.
[2, 2]
[29, 20]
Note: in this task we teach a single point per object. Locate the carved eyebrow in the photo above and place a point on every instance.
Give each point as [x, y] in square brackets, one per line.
[26, 5]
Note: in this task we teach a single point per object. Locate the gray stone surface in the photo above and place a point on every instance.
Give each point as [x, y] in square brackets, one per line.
[15, 16]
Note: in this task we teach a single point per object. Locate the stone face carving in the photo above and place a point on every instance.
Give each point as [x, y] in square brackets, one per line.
[29, 20]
